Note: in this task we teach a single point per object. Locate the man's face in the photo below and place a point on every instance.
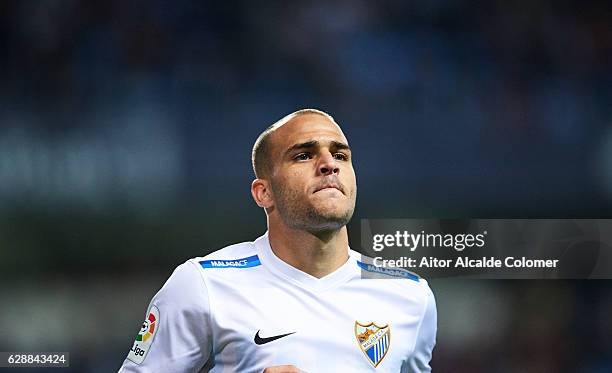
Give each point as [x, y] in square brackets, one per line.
[312, 180]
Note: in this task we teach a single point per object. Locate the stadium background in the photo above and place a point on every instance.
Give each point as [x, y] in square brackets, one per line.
[126, 129]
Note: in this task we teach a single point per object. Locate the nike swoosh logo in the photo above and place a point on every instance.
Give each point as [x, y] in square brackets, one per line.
[263, 340]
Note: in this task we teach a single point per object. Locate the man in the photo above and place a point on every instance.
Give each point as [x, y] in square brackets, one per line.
[294, 299]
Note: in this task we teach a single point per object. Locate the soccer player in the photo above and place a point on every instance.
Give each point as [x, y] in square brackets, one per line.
[296, 299]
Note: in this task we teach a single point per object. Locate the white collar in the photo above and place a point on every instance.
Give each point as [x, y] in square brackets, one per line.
[286, 271]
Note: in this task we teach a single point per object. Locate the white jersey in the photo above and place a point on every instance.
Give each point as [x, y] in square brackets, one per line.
[242, 309]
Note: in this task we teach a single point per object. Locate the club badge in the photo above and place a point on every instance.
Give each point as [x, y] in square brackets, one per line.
[373, 340]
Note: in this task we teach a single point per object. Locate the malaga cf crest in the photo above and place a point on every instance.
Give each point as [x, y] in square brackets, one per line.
[373, 340]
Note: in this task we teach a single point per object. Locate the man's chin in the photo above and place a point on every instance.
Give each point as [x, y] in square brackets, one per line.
[318, 217]
[332, 220]
[325, 227]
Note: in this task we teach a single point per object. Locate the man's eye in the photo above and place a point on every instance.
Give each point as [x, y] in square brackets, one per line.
[341, 156]
[302, 157]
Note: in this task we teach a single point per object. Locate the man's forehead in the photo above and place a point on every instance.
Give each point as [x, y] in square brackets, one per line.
[307, 127]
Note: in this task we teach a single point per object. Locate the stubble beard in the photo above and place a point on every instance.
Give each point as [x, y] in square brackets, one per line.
[303, 216]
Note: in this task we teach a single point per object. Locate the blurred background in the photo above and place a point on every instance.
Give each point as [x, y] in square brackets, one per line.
[126, 129]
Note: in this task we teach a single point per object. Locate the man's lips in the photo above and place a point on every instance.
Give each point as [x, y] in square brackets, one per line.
[329, 186]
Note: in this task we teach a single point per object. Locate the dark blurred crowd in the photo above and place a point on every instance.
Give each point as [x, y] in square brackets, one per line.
[77, 55]
[510, 98]
[126, 128]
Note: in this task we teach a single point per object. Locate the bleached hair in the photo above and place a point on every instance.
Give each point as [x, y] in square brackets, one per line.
[260, 156]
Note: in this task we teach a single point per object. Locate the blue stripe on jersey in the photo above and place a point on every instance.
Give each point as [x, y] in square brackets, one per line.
[251, 261]
[377, 351]
[396, 272]
[371, 354]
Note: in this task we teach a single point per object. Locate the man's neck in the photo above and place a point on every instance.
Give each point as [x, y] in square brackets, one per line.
[316, 254]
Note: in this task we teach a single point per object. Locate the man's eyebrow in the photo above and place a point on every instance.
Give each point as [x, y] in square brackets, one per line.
[302, 145]
[314, 143]
[340, 145]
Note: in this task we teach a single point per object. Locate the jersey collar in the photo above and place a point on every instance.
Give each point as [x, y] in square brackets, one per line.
[280, 268]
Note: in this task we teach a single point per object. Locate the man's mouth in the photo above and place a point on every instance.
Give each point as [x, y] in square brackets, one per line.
[329, 186]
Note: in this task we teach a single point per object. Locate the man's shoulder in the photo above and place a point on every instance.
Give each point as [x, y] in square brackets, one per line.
[404, 278]
[192, 278]
[239, 255]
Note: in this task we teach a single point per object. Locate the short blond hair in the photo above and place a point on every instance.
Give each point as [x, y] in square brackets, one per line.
[260, 155]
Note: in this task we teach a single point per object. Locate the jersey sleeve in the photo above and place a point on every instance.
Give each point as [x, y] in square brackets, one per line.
[426, 339]
[175, 336]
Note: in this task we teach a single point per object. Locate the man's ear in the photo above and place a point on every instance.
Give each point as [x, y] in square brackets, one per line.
[260, 190]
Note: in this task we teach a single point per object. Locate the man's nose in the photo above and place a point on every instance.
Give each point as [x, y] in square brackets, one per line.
[328, 164]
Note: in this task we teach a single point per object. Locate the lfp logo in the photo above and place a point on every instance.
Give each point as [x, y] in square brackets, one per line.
[148, 328]
[145, 336]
